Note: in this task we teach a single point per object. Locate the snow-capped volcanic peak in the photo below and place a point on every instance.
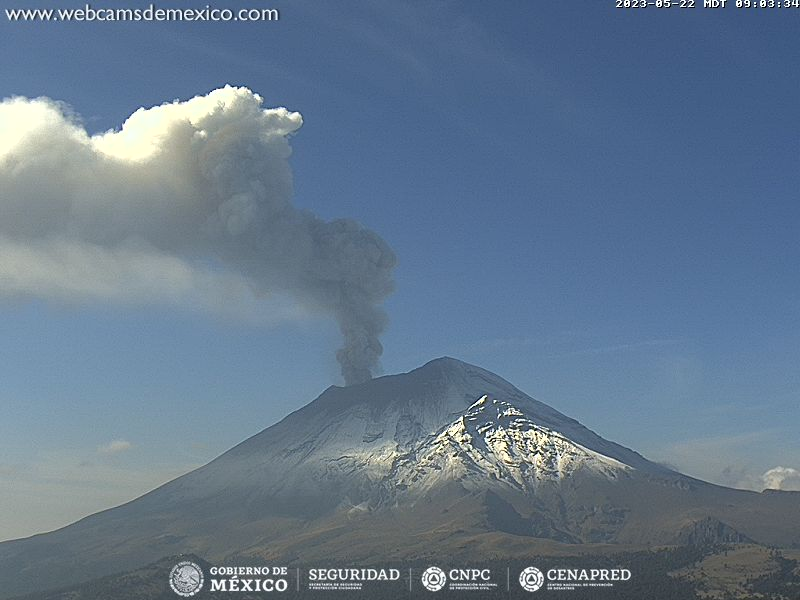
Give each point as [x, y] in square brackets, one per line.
[496, 439]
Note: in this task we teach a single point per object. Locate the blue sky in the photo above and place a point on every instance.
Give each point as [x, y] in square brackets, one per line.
[598, 204]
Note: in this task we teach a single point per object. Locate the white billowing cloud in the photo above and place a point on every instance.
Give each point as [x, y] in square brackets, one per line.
[188, 204]
[132, 273]
[781, 478]
[740, 460]
[114, 447]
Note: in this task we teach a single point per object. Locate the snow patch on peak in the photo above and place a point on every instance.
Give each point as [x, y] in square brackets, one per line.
[495, 440]
[479, 402]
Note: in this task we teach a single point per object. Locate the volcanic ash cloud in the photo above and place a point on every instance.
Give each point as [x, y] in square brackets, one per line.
[188, 204]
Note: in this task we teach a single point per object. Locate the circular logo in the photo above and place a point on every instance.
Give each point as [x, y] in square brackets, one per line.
[531, 579]
[186, 578]
[434, 579]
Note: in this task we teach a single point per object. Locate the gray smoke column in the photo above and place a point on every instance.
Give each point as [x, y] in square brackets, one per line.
[188, 204]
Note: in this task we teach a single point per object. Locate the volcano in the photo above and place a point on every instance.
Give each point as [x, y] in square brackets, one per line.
[448, 459]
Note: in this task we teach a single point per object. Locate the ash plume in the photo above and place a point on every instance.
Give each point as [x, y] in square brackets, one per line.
[188, 204]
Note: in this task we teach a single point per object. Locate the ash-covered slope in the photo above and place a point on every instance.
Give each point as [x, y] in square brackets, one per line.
[442, 459]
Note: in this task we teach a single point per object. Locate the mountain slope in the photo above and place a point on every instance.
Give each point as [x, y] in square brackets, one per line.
[447, 458]
[494, 440]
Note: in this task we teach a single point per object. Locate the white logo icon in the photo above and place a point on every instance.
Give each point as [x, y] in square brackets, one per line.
[434, 579]
[186, 579]
[531, 579]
